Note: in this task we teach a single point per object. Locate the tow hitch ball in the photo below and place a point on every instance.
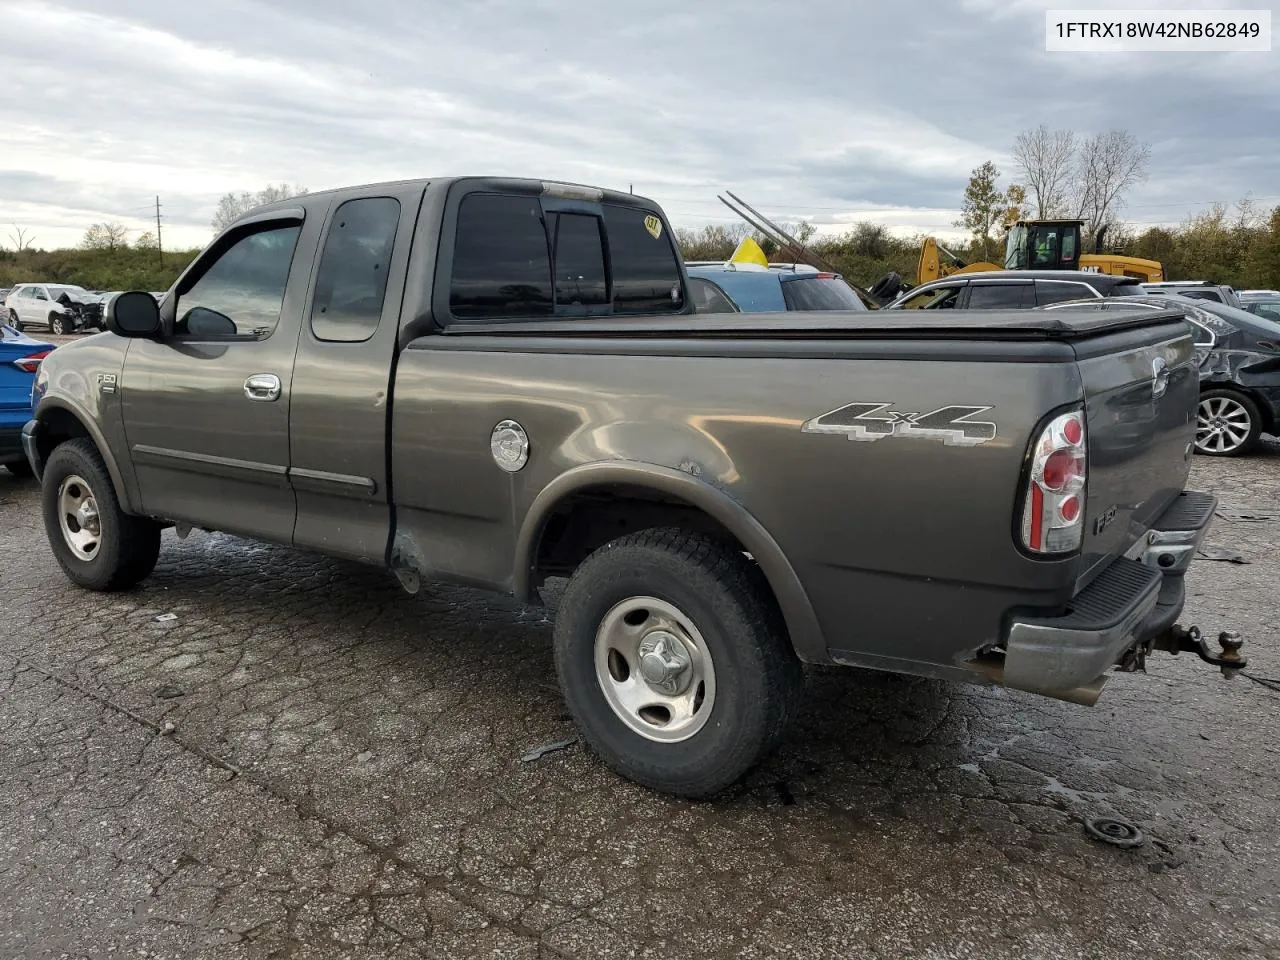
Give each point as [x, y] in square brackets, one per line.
[1179, 638]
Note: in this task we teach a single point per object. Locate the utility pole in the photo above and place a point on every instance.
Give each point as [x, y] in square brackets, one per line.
[159, 245]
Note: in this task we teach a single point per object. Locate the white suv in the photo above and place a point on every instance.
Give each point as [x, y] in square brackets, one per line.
[36, 304]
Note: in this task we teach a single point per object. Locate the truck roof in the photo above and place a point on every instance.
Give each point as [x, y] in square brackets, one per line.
[523, 185]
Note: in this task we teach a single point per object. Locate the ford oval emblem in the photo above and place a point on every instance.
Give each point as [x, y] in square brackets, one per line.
[1159, 378]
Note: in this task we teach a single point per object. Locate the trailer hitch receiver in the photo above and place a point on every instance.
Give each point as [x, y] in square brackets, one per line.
[1179, 638]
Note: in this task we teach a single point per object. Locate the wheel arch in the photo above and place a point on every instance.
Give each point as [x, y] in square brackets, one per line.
[562, 526]
[58, 420]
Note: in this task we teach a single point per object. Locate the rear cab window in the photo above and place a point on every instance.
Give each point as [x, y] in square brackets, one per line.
[819, 292]
[526, 257]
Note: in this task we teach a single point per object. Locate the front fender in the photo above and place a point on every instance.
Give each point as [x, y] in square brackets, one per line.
[802, 623]
[46, 414]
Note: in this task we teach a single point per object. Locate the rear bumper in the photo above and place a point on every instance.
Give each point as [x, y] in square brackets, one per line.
[1136, 598]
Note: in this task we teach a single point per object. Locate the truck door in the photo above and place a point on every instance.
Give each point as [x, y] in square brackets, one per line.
[206, 406]
[342, 375]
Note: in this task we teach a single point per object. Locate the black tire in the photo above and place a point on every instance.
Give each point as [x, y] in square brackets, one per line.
[757, 676]
[57, 325]
[1238, 411]
[128, 546]
[19, 468]
[14, 321]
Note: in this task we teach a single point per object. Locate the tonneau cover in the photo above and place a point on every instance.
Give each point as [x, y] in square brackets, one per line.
[1063, 325]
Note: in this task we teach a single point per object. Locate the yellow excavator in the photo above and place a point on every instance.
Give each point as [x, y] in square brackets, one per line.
[1039, 245]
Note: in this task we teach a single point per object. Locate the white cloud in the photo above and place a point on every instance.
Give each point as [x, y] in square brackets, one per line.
[836, 113]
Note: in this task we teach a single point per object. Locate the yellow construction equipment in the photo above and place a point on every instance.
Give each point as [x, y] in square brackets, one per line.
[1039, 245]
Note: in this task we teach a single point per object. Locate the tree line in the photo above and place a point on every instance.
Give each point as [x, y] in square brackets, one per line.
[1061, 175]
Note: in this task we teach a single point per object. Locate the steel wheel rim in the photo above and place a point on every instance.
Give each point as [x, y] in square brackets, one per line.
[1222, 425]
[78, 518]
[655, 669]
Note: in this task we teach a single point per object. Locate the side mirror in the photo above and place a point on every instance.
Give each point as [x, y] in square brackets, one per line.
[203, 322]
[134, 313]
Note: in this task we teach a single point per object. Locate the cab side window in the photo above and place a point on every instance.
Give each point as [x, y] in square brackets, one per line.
[351, 282]
[1000, 296]
[241, 293]
[708, 297]
[1058, 291]
[935, 298]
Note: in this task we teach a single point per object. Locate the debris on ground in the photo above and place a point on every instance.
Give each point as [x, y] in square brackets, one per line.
[169, 729]
[168, 692]
[1224, 554]
[364, 756]
[1245, 517]
[537, 753]
[1117, 832]
[166, 617]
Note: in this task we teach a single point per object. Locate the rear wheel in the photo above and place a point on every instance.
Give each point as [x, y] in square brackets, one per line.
[96, 543]
[57, 325]
[1228, 423]
[14, 321]
[674, 661]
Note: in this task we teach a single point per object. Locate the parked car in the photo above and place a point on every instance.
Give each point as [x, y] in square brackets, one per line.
[726, 287]
[20, 358]
[1238, 354]
[1011, 290]
[1197, 290]
[497, 381]
[54, 306]
[1267, 307]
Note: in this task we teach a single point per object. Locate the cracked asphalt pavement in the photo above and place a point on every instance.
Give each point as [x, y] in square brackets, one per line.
[306, 762]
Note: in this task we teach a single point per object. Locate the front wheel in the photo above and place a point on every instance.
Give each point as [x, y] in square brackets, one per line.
[674, 662]
[57, 325]
[96, 543]
[1228, 423]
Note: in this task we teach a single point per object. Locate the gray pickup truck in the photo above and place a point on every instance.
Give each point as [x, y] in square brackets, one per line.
[497, 382]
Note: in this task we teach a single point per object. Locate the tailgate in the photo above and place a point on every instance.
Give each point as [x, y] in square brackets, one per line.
[1141, 387]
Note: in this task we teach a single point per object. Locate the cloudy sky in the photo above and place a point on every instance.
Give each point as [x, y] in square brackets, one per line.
[830, 110]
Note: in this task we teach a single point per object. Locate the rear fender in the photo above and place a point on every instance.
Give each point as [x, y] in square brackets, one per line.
[802, 623]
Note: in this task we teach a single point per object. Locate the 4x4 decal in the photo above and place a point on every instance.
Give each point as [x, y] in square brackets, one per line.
[875, 421]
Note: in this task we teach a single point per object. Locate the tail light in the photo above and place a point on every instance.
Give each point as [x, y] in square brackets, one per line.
[31, 363]
[1053, 504]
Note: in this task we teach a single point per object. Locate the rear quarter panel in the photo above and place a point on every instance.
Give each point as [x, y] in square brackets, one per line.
[904, 545]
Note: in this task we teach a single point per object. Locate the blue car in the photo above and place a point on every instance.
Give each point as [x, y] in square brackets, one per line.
[20, 358]
[728, 287]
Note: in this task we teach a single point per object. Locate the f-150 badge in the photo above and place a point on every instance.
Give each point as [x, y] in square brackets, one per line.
[875, 421]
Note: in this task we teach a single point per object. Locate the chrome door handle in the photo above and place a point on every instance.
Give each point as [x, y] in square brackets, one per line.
[262, 386]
